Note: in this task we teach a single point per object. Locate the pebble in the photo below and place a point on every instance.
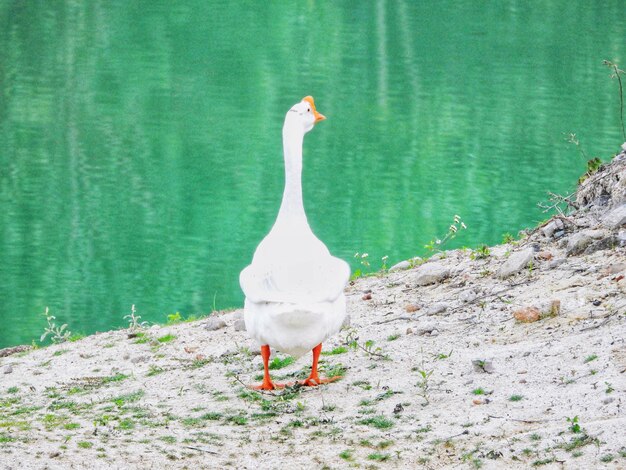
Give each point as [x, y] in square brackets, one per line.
[616, 268]
[431, 273]
[412, 308]
[553, 226]
[214, 324]
[607, 243]
[545, 255]
[437, 307]
[8, 369]
[240, 325]
[367, 296]
[409, 331]
[468, 296]
[616, 218]
[578, 242]
[428, 328]
[608, 400]
[138, 359]
[515, 263]
[481, 365]
[555, 263]
[527, 314]
[401, 266]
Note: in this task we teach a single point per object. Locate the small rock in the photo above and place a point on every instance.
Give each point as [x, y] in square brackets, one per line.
[616, 268]
[559, 234]
[616, 218]
[578, 242]
[556, 263]
[596, 303]
[545, 255]
[434, 333]
[398, 409]
[346, 322]
[481, 365]
[409, 331]
[138, 359]
[8, 369]
[401, 266]
[126, 356]
[437, 307]
[215, 324]
[367, 296]
[515, 263]
[468, 296]
[431, 273]
[240, 325]
[527, 314]
[608, 400]
[412, 308]
[621, 238]
[426, 329]
[607, 243]
[551, 227]
[238, 315]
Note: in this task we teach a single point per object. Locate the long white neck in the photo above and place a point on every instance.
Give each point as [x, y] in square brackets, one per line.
[292, 206]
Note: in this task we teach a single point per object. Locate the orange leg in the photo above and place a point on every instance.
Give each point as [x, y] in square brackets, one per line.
[267, 383]
[314, 379]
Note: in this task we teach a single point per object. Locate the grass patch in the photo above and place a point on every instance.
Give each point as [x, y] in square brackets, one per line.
[590, 358]
[166, 338]
[154, 370]
[378, 457]
[85, 444]
[379, 422]
[478, 391]
[516, 398]
[539, 463]
[335, 351]
[13, 390]
[128, 398]
[4, 438]
[393, 337]
[278, 363]
[71, 426]
[238, 420]
[346, 454]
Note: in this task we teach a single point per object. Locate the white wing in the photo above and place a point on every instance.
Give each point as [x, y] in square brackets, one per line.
[296, 280]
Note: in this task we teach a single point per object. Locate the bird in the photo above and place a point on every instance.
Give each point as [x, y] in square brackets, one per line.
[294, 287]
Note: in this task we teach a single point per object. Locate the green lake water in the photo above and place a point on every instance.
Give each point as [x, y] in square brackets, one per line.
[140, 141]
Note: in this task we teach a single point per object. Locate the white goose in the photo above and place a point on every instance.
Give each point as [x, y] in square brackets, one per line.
[294, 287]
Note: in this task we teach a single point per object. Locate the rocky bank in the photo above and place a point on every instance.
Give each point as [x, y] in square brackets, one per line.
[508, 357]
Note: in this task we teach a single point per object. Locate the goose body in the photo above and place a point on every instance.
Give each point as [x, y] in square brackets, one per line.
[294, 286]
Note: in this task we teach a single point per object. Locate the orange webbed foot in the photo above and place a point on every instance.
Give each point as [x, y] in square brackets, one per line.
[268, 386]
[315, 381]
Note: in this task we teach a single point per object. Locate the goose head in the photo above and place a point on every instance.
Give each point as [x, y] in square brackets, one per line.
[303, 115]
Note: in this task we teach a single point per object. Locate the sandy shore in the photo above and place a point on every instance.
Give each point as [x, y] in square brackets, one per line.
[438, 372]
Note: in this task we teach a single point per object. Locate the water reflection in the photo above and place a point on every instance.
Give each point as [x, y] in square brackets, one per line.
[142, 153]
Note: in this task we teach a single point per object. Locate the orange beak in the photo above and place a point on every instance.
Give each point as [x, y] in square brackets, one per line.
[318, 116]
